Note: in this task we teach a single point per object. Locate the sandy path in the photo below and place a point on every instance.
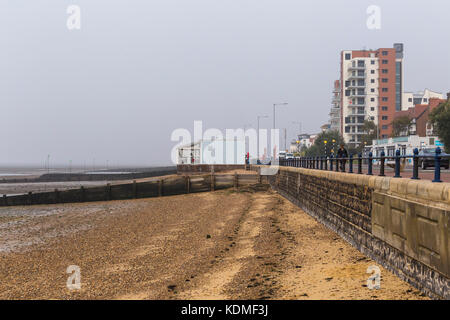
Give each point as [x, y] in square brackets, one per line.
[220, 245]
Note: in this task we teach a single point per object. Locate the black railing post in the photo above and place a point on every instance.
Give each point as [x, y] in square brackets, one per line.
[359, 163]
[316, 160]
[415, 164]
[382, 160]
[337, 163]
[321, 163]
[397, 164]
[344, 162]
[331, 162]
[369, 170]
[350, 164]
[326, 163]
[437, 165]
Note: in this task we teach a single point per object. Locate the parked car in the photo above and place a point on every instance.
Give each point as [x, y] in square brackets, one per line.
[289, 156]
[427, 158]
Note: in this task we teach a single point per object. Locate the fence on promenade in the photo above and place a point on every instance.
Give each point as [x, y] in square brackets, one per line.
[339, 164]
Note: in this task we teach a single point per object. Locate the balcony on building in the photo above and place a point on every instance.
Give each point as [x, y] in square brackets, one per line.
[357, 65]
[357, 75]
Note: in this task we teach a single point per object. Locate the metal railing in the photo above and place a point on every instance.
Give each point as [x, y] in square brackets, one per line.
[338, 164]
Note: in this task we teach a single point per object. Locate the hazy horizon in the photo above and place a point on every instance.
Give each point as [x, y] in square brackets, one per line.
[116, 89]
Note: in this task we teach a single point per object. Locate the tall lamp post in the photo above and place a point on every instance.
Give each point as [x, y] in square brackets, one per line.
[257, 136]
[274, 107]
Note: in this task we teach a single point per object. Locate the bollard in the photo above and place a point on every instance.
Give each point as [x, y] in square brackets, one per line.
[369, 170]
[397, 164]
[359, 163]
[350, 164]
[331, 162]
[415, 165]
[382, 160]
[437, 165]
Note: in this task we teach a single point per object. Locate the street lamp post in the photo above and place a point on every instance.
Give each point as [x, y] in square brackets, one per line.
[274, 106]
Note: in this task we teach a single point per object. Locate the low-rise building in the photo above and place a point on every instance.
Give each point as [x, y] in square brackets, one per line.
[406, 145]
[217, 151]
[410, 99]
[419, 116]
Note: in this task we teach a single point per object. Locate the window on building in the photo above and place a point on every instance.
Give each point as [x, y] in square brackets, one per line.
[372, 90]
[348, 56]
[384, 53]
[372, 71]
[372, 99]
[425, 100]
[384, 71]
[372, 118]
[409, 99]
[384, 127]
[384, 117]
[372, 109]
[384, 80]
[372, 80]
[384, 99]
[384, 108]
[384, 89]
[347, 93]
[385, 62]
[372, 61]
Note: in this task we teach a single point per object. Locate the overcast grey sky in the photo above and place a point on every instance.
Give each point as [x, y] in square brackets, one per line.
[136, 70]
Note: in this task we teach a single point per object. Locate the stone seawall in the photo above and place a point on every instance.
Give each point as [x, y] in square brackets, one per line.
[403, 224]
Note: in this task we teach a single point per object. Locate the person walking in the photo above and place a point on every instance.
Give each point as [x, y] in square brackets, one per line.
[342, 155]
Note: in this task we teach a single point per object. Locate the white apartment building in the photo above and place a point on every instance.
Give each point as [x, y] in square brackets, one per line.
[335, 112]
[371, 89]
[410, 99]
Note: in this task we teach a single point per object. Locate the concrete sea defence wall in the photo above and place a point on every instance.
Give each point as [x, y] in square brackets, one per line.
[205, 168]
[402, 224]
[162, 187]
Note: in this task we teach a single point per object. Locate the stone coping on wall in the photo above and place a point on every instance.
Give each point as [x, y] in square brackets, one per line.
[422, 191]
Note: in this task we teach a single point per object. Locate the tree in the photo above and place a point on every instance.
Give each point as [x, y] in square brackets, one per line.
[440, 117]
[326, 142]
[401, 125]
[370, 133]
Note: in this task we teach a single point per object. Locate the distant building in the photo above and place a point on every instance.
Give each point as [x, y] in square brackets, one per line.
[406, 145]
[326, 127]
[419, 116]
[218, 151]
[371, 89]
[335, 112]
[411, 99]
